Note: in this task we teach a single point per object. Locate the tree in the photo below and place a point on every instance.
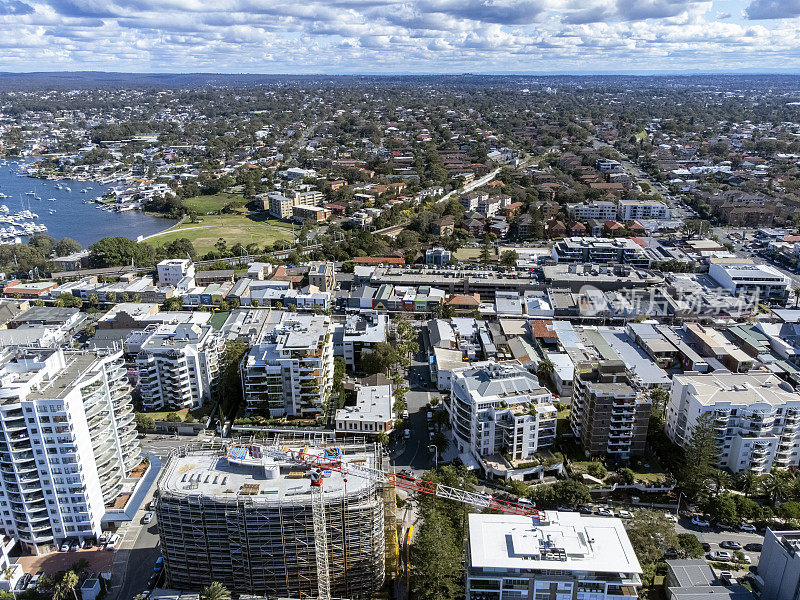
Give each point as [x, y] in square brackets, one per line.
[381, 358]
[699, 459]
[215, 591]
[120, 251]
[67, 246]
[229, 388]
[546, 368]
[596, 470]
[627, 476]
[144, 422]
[722, 509]
[508, 258]
[650, 533]
[660, 398]
[776, 485]
[66, 586]
[747, 482]
[383, 438]
[440, 441]
[441, 419]
[436, 558]
[68, 300]
[690, 546]
[172, 418]
[486, 250]
[567, 492]
[175, 303]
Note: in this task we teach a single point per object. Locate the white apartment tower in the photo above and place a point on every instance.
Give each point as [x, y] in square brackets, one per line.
[290, 370]
[177, 364]
[501, 409]
[67, 441]
[756, 418]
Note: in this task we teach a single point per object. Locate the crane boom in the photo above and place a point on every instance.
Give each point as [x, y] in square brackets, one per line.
[404, 482]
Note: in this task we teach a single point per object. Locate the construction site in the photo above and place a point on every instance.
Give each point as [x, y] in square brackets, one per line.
[263, 524]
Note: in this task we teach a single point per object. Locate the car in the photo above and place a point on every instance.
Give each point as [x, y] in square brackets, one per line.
[407, 433]
[706, 546]
[159, 564]
[585, 510]
[721, 555]
[23, 582]
[35, 579]
[624, 514]
[730, 545]
[749, 527]
[148, 516]
[74, 545]
[86, 544]
[670, 553]
[113, 542]
[700, 522]
[753, 547]
[670, 517]
[430, 415]
[604, 512]
[101, 541]
[64, 547]
[405, 414]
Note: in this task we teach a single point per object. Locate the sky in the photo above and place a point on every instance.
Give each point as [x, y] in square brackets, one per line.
[400, 36]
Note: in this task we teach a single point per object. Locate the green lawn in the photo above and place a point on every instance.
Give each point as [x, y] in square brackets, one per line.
[213, 204]
[218, 319]
[232, 228]
[469, 253]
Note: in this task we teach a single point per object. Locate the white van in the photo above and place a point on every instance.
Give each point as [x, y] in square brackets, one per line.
[113, 541]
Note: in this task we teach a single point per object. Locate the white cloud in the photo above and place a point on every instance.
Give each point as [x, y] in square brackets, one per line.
[398, 35]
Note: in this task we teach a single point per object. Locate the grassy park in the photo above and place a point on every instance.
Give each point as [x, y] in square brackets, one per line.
[204, 205]
[233, 228]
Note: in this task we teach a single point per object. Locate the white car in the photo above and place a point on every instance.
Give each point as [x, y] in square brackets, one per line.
[624, 514]
[749, 527]
[700, 522]
[671, 517]
[721, 555]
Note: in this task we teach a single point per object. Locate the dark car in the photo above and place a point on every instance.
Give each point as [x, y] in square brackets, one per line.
[753, 547]
[23, 581]
[706, 546]
[730, 545]
[585, 510]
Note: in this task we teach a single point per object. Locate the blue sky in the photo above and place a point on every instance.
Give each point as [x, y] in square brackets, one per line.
[400, 36]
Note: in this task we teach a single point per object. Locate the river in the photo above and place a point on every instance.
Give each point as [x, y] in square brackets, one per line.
[72, 217]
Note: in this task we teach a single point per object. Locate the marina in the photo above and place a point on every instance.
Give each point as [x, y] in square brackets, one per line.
[60, 208]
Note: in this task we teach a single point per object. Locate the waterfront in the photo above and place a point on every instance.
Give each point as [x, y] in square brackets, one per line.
[72, 216]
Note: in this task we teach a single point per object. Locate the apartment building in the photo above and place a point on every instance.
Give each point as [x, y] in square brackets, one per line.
[359, 333]
[322, 275]
[67, 441]
[629, 210]
[609, 415]
[470, 200]
[173, 271]
[279, 206]
[744, 278]
[177, 364]
[501, 410]
[779, 565]
[600, 210]
[308, 197]
[555, 556]
[289, 371]
[307, 212]
[756, 418]
[600, 250]
[241, 518]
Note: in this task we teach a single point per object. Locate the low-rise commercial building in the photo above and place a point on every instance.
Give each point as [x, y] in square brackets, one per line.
[741, 278]
[557, 556]
[372, 414]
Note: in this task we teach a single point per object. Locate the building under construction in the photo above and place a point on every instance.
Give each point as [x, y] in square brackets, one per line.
[235, 515]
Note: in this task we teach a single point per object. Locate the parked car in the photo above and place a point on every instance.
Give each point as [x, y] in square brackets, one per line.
[159, 564]
[101, 541]
[706, 546]
[407, 433]
[670, 553]
[730, 545]
[585, 510]
[749, 527]
[86, 544]
[405, 414]
[700, 522]
[670, 517]
[148, 516]
[23, 582]
[35, 579]
[624, 514]
[721, 555]
[64, 547]
[113, 542]
[604, 512]
[753, 547]
[74, 545]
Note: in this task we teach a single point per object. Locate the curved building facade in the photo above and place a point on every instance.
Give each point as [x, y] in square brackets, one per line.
[231, 515]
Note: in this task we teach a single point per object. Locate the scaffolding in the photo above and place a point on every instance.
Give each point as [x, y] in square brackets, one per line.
[265, 546]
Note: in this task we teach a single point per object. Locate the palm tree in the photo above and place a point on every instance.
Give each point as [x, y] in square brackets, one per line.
[721, 480]
[65, 586]
[546, 368]
[776, 485]
[215, 591]
[748, 483]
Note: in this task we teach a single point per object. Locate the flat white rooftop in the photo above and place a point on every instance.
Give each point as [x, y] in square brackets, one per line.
[567, 541]
[739, 388]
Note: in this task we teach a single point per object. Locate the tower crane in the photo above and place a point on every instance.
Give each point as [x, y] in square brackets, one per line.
[333, 461]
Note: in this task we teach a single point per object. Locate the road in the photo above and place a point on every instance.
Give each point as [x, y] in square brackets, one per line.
[416, 456]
